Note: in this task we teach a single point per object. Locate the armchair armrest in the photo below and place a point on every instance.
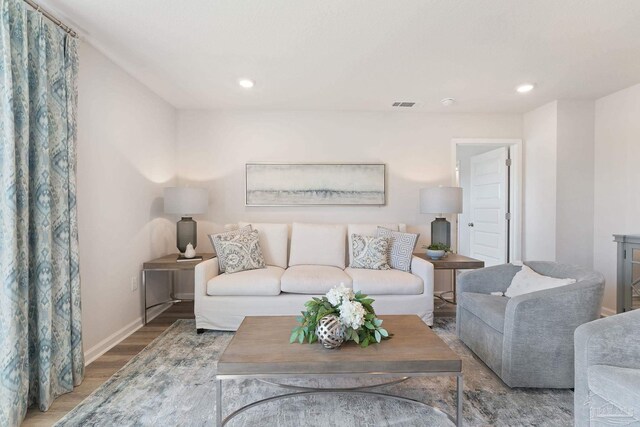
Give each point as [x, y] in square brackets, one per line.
[611, 341]
[487, 280]
[538, 332]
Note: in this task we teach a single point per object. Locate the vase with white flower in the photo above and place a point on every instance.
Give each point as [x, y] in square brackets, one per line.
[340, 315]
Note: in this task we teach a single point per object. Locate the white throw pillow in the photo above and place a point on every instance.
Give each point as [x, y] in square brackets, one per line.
[273, 242]
[526, 281]
[318, 244]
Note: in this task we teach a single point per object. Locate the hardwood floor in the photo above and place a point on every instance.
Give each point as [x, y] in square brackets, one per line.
[109, 363]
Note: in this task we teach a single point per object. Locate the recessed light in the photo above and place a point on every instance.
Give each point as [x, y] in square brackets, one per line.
[246, 83]
[525, 87]
[447, 102]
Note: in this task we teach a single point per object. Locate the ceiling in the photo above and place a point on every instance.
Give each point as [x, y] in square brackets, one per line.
[364, 55]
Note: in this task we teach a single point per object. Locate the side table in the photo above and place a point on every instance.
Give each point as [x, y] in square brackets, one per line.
[452, 262]
[168, 263]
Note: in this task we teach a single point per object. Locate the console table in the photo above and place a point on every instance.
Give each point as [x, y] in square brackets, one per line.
[453, 262]
[168, 263]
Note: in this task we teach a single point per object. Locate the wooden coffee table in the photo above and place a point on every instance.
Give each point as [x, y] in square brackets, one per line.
[260, 349]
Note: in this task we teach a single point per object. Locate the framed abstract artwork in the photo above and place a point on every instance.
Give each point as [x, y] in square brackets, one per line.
[313, 184]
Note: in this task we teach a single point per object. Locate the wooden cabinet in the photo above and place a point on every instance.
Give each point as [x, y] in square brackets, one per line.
[628, 292]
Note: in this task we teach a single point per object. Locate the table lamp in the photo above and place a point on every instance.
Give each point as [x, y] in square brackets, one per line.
[186, 201]
[441, 200]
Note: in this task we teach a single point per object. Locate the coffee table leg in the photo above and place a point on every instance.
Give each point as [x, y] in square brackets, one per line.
[219, 403]
[460, 389]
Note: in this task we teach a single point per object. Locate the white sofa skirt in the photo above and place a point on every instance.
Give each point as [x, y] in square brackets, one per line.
[225, 313]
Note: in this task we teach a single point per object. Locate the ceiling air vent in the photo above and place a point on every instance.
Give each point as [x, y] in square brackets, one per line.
[403, 104]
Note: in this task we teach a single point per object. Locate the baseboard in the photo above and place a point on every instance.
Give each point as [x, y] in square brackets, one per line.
[606, 312]
[184, 295]
[117, 337]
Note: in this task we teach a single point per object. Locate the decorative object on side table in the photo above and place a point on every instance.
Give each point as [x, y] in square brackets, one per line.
[186, 201]
[437, 251]
[356, 320]
[441, 200]
[190, 252]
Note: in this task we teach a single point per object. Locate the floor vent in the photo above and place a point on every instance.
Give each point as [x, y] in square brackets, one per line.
[403, 104]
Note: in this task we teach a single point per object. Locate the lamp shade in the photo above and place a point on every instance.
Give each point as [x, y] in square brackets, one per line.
[441, 200]
[185, 200]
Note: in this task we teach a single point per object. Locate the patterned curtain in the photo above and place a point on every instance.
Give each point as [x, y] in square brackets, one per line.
[40, 335]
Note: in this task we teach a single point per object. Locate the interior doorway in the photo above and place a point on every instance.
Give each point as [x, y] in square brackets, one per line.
[490, 174]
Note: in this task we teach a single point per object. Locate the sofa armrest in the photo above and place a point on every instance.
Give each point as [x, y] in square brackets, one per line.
[487, 280]
[538, 332]
[204, 272]
[424, 270]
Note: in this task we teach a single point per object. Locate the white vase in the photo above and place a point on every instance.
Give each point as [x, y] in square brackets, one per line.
[435, 254]
[190, 252]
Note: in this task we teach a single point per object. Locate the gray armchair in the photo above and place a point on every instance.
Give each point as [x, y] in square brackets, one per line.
[527, 340]
[608, 371]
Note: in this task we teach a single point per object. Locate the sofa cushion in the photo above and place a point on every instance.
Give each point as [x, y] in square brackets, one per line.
[262, 282]
[274, 239]
[620, 386]
[313, 279]
[385, 282]
[318, 244]
[489, 308]
[367, 230]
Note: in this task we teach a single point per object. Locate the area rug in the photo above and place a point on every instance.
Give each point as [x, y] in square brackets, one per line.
[172, 383]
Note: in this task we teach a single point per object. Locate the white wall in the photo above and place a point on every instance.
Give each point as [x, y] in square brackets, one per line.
[575, 183]
[126, 154]
[540, 157]
[214, 146]
[617, 180]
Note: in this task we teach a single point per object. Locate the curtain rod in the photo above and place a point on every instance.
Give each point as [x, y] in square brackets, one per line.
[52, 18]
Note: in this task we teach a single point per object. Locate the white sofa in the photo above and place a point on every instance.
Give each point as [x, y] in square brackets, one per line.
[317, 261]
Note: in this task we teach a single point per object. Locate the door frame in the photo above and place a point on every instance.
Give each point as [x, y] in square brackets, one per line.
[515, 186]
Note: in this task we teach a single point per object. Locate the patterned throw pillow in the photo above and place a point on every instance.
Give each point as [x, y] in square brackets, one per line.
[402, 245]
[240, 251]
[215, 238]
[369, 252]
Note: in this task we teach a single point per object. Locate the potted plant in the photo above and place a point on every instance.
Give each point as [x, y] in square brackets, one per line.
[437, 250]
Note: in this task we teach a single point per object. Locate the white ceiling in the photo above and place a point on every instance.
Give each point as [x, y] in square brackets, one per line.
[363, 55]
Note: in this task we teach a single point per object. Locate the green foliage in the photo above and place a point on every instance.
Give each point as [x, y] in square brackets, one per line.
[439, 247]
[316, 308]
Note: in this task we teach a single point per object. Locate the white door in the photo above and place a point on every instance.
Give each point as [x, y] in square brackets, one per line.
[489, 199]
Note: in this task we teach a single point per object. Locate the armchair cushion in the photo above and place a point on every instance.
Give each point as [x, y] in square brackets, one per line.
[488, 308]
[385, 282]
[620, 386]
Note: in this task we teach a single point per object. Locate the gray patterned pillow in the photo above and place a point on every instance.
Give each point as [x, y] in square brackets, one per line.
[369, 252]
[240, 251]
[402, 245]
[215, 242]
